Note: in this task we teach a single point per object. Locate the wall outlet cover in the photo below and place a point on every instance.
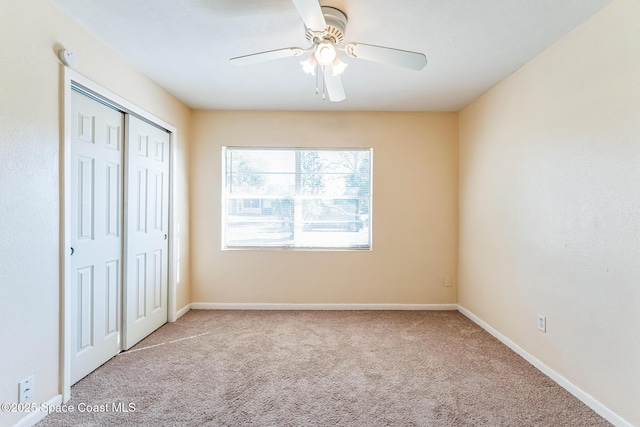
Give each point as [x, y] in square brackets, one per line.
[542, 323]
[25, 389]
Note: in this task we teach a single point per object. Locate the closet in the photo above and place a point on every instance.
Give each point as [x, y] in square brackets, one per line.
[119, 213]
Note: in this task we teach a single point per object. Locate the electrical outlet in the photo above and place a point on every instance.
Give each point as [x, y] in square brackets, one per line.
[447, 281]
[25, 389]
[542, 323]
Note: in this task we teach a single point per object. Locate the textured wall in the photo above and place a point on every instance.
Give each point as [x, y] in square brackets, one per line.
[550, 207]
[31, 32]
[415, 179]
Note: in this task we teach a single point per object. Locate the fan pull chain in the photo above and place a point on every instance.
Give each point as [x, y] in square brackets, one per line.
[324, 85]
[320, 70]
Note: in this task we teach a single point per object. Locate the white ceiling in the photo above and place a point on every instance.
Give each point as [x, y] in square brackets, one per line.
[184, 45]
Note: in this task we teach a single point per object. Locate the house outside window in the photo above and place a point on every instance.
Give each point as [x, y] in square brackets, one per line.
[296, 198]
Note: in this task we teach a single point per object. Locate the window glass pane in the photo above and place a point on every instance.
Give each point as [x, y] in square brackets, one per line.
[259, 222]
[298, 198]
[260, 172]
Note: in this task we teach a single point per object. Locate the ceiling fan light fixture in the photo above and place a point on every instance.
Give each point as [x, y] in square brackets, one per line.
[325, 53]
[309, 66]
[337, 66]
[325, 29]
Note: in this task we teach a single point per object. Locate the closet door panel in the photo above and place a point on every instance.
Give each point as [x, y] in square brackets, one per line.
[147, 229]
[96, 233]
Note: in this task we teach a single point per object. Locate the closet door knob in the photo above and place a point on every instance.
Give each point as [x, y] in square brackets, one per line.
[165, 237]
[72, 250]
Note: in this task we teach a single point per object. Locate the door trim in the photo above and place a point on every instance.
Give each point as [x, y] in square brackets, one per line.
[71, 78]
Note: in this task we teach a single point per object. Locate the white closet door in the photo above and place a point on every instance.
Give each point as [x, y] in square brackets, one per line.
[146, 230]
[96, 233]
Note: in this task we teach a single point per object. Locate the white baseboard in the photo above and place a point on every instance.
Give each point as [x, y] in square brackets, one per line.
[268, 306]
[183, 311]
[586, 398]
[39, 415]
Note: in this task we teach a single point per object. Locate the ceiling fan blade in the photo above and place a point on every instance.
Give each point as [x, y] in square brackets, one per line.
[311, 13]
[402, 58]
[256, 58]
[334, 86]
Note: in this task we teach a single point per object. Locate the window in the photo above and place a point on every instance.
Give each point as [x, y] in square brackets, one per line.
[296, 198]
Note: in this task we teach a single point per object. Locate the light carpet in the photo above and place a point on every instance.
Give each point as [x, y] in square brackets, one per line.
[321, 368]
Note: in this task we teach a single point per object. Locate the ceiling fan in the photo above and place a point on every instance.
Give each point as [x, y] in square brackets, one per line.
[325, 31]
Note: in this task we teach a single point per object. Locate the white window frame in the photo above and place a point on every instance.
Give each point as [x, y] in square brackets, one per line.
[298, 198]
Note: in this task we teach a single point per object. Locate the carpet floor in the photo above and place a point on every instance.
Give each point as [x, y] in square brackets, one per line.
[321, 368]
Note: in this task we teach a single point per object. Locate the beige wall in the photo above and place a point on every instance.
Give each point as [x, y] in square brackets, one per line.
[414, 217]
[550, 207]
[31, 31]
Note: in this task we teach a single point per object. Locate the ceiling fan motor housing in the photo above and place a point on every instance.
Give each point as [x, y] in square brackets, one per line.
[336, 26]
